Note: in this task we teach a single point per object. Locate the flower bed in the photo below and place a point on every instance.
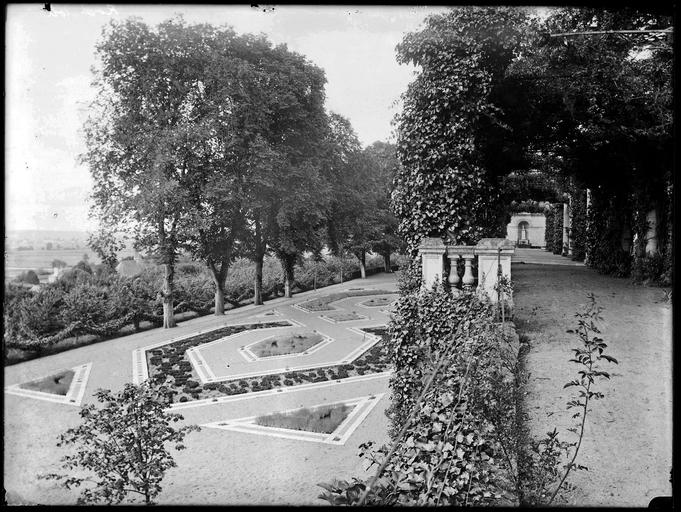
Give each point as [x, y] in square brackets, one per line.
[57, 384]
[323, 419]
[178, 374]
[322, 303]
[286, 344]
[170, 366]
[377, 302]
[343, 316]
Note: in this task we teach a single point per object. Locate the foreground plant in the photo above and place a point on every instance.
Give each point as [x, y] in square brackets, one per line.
[542, 473]
[124, 444]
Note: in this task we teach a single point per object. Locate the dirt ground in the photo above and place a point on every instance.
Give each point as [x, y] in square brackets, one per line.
[628, 436]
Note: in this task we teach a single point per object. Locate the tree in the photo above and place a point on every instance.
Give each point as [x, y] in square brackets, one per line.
[106, 245]
[343, 171]
[29, 277]
[386, 238]
[282, 117]
[124, 444]
[137, 136]
[57, 263]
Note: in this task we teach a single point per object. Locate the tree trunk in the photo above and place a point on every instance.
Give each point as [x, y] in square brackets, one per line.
[168, 286]
[257, 285]
[386, 260]
[219, 301]
[362, 257]
[288, 262]
[219, 282]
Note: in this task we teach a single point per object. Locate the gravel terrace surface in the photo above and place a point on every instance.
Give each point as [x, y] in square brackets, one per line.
[218, 467]
[628, 436]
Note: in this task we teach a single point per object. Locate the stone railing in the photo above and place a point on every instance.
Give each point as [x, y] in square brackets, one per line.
[494, 260]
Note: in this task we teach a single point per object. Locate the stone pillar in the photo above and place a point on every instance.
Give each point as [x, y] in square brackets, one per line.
[432, 252]
[489, 258]
[651, 235]
[566, 227]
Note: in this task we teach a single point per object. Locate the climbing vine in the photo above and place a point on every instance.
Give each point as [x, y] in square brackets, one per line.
[548, 230]
[558, 229]
[442, 187]
[578, 223]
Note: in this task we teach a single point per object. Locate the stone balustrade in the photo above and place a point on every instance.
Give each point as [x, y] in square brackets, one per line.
[494, 259]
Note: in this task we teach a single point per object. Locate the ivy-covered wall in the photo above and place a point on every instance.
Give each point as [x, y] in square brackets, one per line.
[578, 224]
[558, 228]
[548, 232]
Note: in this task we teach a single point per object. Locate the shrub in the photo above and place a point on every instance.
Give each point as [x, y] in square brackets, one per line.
[29, 277]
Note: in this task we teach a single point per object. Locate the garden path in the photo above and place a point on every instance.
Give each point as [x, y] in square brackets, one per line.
[218, 466]
[628, 436]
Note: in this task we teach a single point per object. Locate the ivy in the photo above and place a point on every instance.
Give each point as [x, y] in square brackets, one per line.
[443, 187]
[578, 223]
[558, 229]
[548, 230]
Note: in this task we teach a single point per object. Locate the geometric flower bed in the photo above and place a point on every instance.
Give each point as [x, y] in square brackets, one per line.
[322, 303]
[294, 343]
[64, 386]
[57, 384]
[375, 302]
[342, 316]
[184, 388]
[169, 365]
[323, 419]
[355, 410]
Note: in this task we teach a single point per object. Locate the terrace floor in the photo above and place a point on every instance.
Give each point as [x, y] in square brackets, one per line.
[628, 436]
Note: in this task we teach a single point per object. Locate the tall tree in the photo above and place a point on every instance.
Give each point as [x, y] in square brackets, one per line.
[137, 136]
[343, 170]
[284, 123]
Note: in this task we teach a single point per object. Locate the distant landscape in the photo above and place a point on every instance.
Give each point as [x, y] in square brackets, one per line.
[36, 249]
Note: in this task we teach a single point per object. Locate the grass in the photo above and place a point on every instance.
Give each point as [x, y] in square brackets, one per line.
[286, 344]
[344, 316]
[323, 420]
[378, 301]
[57, 384]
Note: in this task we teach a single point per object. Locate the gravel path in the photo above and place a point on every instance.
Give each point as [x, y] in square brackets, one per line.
[218, 466]
[628, 436]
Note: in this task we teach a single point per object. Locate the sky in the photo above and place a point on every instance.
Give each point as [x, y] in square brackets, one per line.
[47, 85]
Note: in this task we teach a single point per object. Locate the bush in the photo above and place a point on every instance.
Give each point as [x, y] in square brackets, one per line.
[454, 421]
[29, 277]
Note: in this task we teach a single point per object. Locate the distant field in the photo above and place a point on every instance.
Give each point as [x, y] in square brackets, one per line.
[17, 262]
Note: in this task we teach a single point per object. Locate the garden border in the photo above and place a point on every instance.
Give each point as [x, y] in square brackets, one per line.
[267, 392]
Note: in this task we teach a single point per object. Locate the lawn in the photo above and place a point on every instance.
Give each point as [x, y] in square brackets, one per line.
[293, 343]
[377, 301]
[344, 316]
[57, 384]
[324, 419]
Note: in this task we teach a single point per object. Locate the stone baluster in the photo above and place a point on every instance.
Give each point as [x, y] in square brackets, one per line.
[468, 277]
[454, 279]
